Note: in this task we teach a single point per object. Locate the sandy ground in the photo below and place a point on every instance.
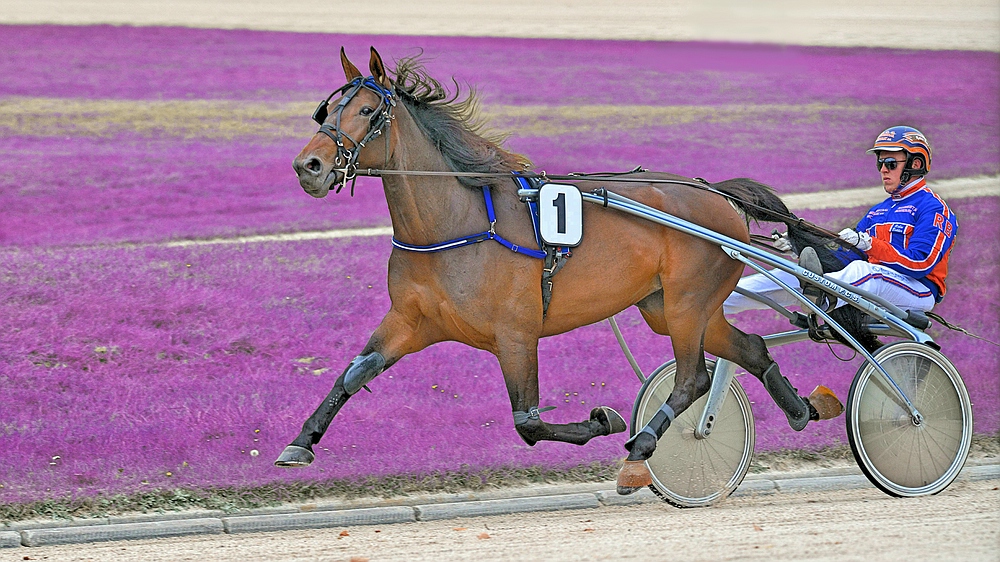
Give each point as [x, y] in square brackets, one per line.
[961, 523]
[912, 24]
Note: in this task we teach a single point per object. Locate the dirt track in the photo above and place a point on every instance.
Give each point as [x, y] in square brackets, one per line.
[961, 523]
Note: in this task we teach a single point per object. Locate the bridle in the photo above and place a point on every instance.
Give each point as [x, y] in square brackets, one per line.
[382, 117]
[347, 158]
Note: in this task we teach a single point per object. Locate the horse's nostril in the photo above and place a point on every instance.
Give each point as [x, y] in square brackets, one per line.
[313, 165]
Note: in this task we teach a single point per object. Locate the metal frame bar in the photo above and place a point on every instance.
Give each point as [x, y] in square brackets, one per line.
[722, 376]
[849, 295]
[892, 316]
[628, 353]
[806, 303]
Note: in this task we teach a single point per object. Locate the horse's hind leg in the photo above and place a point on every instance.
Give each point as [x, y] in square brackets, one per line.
[687, 329]
[692, 381]
[391, 341]
[519, 363]
[750, 352]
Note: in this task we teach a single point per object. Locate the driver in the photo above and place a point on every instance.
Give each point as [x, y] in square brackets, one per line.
[906, 239]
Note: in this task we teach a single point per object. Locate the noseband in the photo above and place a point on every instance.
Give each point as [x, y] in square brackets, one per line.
[347, 158]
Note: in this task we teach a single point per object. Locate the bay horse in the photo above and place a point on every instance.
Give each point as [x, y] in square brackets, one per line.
[488, 297]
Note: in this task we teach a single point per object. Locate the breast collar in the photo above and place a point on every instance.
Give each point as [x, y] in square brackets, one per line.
[474, 238]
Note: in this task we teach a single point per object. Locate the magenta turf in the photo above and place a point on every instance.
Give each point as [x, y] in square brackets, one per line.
[119, 365]
[131, 363]
[165, 184]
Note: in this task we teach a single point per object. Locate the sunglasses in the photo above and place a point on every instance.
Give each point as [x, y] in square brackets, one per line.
[890, 163]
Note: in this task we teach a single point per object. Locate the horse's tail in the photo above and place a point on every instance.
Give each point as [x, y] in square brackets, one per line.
[760, 203]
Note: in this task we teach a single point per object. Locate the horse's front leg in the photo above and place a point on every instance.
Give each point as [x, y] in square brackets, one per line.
[393, 339]
[519, 363]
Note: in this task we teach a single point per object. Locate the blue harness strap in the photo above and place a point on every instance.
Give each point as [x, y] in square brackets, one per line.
[474, 238]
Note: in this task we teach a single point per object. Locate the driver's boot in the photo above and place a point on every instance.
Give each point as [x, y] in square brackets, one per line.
[808, 259]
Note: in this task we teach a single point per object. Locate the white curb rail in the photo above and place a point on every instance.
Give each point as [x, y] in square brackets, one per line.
[453, 510]
[446, 506]
[319, 519]
[124, 531]
[9, 538]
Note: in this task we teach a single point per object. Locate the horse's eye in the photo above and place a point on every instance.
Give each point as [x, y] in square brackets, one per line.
[367, 110]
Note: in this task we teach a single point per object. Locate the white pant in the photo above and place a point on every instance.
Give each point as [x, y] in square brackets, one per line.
[902, 290]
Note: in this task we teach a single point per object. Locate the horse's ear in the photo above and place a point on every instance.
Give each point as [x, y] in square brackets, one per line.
[378, 70]
[350, 71]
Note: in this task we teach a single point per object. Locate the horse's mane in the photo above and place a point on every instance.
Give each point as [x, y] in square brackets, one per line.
[454, 124]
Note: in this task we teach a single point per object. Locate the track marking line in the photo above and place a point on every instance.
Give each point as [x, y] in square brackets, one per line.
[950, 190]
[953, 189]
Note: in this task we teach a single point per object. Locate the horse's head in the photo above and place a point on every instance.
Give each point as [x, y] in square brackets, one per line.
[350, 119]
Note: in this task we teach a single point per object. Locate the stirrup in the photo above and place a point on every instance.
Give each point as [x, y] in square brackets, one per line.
[815, 329]
[808, 259]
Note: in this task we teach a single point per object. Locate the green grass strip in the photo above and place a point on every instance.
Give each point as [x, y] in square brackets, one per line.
[231, 499]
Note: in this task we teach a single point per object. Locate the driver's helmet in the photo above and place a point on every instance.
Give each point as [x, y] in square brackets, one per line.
[901, 138]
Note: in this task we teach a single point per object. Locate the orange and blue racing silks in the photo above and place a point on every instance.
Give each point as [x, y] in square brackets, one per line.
[913, 232]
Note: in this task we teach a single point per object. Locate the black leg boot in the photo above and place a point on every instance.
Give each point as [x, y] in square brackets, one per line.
[642, 445]
[634, 474]
[796, 408]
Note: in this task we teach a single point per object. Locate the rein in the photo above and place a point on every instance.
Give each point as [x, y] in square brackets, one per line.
[607, 176]
[382, 117]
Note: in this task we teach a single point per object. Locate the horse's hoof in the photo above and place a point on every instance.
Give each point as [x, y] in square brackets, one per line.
[633, 476]
[609, 418]
[826, 403]
[294, 456]
[624, 490]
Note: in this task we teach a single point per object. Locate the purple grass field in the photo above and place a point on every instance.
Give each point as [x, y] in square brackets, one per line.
[127, 368]
[734, 110]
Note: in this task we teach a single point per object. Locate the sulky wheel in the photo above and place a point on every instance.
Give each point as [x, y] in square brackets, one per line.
[900, 457]
[692, 472]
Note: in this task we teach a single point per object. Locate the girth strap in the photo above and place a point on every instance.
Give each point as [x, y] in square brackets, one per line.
[554, 261]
